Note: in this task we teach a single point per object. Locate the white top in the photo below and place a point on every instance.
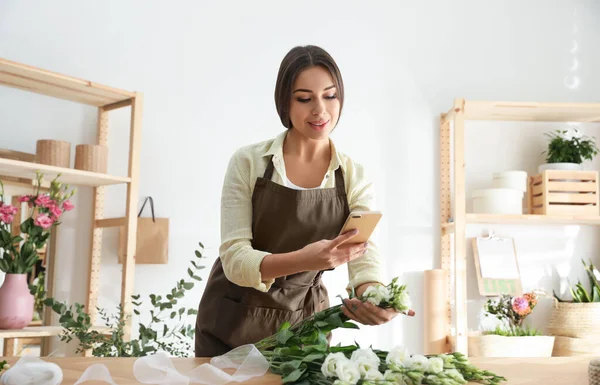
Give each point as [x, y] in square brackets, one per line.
[288, 183]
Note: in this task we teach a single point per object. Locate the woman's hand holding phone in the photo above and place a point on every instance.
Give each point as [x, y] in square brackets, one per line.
[328, 254]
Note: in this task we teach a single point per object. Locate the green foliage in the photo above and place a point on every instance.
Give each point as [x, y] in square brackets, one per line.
[37, 290]
[579, 293]
[569, 146]
[154, 335]
[518, 331]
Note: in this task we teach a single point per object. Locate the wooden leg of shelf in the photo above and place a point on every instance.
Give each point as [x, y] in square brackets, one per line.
[96, 246]
[460, 244]
[445, 214]
[131, 212]
[9, 347]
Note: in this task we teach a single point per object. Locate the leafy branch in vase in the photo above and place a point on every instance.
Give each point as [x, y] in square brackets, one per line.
[154, 335]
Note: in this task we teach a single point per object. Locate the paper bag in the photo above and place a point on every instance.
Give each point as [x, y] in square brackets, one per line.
[152, 240]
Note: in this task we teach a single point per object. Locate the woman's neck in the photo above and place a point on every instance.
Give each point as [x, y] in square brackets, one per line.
[305, 149]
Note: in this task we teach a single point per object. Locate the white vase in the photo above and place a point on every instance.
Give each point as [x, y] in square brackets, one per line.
[560, 166]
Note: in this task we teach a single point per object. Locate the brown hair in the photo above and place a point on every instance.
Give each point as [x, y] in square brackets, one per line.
[298, 59]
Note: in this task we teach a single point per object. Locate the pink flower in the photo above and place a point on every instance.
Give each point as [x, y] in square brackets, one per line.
[44, 221]
[25, 198]
[68, 206]
[521, 306]
[55, 211]
[43, 200]
[7, 213]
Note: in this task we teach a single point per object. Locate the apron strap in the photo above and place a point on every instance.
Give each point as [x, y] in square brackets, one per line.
[269, 171]
[339, 181]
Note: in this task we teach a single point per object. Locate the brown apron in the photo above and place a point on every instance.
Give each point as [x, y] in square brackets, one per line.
[283, 220]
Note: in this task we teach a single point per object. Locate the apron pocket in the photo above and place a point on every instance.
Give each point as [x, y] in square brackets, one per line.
[237, 324]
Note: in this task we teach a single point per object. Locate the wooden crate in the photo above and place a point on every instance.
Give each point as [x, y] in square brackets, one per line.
[564, 192]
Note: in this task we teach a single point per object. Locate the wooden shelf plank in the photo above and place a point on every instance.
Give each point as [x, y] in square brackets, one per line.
[41, 331]
[533, 219]
[531, 111]
[16, 168]
[53, 84]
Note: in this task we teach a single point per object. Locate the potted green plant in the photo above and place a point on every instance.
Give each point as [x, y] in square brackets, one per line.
[575, 322]
[19, 252]
[511, 338]
[567, 149]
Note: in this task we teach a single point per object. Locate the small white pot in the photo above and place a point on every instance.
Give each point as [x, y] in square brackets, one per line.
[560, 166]
[498, 201]
[510, 179]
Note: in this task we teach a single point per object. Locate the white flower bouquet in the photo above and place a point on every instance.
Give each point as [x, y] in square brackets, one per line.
[302, 356]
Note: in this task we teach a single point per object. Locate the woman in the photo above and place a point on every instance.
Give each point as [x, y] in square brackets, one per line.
[284, 202]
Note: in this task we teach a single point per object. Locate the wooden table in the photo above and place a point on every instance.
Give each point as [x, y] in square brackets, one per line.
[526, 371]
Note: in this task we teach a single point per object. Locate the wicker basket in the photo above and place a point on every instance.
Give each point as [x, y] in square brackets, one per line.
[594, 372]
[53, 153]
[571, 347]
[491, 345]
[91, 157]
[575, 320]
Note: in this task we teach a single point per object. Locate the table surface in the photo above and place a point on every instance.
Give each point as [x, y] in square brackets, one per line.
[518, 371]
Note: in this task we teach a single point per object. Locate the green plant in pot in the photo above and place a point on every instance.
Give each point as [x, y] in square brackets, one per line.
[19, 252]
[579, 293]
[567, 149]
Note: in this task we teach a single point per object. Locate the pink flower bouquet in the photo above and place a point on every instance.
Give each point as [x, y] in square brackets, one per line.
[45, 211]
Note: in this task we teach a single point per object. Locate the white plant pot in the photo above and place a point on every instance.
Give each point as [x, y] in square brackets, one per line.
[560, 166]
[498, 201]
[510, 179]
[491, 345]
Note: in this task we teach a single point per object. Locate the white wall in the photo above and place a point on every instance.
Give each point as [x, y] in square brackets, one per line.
[208, 71]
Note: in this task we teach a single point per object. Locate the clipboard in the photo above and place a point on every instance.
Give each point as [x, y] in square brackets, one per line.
[496, 265]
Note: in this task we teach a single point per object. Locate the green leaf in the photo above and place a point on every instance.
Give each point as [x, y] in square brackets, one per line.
[335, 320]
[26, 225]
[181, 311]
[321, 324]
[350, 325]
[173, 314]
[188, 285]
[190, 272]
[283, 336]
[293, 376]
[192, 312]
[313, 357]
[198, 254]
[196, 278]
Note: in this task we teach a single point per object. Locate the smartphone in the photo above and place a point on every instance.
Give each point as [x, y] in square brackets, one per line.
[364, 221]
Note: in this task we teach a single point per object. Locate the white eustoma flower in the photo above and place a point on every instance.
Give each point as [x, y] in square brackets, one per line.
[365, 353]
[340, 382]
[331, 363]
[395, 377]
[368, 369]
[419, 362]
[436, 365]
[347, 371]
[456, 376]
[397, 356]
[402, 302]
[377, 293]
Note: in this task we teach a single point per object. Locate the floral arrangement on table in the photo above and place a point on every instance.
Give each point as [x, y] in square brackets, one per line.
[569, 146]
[580, 293]
[512, 311]
[20, 254]
[301, 355]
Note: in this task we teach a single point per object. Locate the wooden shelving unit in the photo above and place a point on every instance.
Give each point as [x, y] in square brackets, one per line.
[452, 164]
[106, 99]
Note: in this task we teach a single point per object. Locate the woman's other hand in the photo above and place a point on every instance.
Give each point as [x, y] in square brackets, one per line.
[366, 313]
[328, 254]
